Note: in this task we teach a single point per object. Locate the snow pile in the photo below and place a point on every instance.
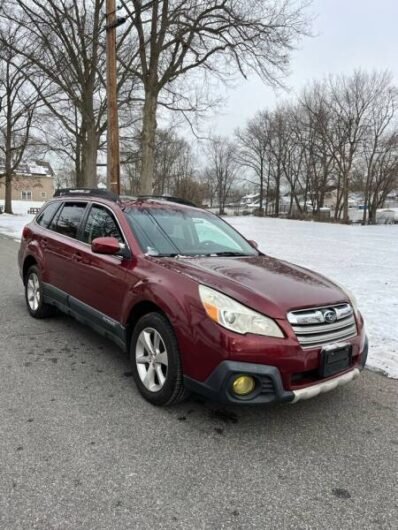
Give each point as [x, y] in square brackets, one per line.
[362, 258]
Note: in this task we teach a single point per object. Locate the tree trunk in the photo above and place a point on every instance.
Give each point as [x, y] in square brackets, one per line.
[291, 201]
[89, 158]
[261, 184]
[338, 198]
[267, 191]
[79, 182]
[220, 199]
[346, 185]
[277, 191]
[148, 143]
[8, 167]
[298, 206]
[321, 198]
[8, 193]
[80, 143]
[372, 213]
[365, 208]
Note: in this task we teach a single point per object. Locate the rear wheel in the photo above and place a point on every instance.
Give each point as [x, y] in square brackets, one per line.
[34, 295]
[155, 360]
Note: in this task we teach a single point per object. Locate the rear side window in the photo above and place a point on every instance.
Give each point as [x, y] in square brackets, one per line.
[47, 215]
[69, 219]
[100, 223]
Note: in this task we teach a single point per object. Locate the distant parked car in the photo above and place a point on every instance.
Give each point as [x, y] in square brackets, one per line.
[198, 307]
[385, 216]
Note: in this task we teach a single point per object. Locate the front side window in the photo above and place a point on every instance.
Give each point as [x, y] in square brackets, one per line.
[68, 221]
[47, 215]
[168, 231]
[100, 223]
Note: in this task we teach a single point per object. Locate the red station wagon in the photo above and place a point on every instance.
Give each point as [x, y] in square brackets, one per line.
[198, 307]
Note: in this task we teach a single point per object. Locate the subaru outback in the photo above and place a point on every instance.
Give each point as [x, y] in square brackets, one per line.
[197, 306]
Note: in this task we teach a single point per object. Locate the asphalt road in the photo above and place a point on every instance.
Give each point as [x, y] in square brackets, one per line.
[79, 448]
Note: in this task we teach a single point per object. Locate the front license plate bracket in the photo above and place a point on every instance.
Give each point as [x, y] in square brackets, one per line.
[335, 360]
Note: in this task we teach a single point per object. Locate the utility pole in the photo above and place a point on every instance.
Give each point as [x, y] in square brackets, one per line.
[113, 162]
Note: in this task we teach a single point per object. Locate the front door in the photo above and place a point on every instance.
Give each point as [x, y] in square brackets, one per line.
[102, 280]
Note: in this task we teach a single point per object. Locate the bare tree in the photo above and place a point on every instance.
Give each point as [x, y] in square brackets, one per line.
[174, 168]
[292, 154]
[313, 120]
[215, 36]
[277, 153]
[384, 173]
[340, 136]
[172, 154]
[253, 148]
[222, 168]
[64, 39]
[349, 101]
[207, 179]
[379, 145]
[18, 103]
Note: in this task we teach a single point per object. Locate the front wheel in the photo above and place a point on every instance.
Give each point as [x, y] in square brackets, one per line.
[34, 295]
[155, 361]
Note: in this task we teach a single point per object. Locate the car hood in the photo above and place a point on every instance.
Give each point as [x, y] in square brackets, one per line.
[266, 284]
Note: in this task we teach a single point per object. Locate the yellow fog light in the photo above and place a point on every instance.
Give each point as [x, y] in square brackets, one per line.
[243, 385]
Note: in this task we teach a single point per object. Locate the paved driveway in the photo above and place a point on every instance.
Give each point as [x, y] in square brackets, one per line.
[80, 449]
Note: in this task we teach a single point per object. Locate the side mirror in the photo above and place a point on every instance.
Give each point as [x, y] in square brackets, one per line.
[106, 245]
[253, 243]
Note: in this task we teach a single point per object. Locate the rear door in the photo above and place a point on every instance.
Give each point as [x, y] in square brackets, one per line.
[61, 245]
[43, 234]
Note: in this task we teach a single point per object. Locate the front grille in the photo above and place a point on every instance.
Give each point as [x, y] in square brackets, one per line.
[323, 325]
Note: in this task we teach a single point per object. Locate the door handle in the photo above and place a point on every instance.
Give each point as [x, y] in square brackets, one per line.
[78, 256]
[44, 243]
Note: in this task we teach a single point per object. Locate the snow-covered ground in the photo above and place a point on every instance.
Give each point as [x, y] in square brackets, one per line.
[12, 225]
[362, 258]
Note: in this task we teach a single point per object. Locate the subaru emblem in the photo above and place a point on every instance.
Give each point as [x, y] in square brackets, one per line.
[330, 316]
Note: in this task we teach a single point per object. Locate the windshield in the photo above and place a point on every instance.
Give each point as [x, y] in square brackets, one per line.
[168, 232]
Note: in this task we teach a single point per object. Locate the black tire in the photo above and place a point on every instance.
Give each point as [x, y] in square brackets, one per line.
[42, 310]
[173, 390]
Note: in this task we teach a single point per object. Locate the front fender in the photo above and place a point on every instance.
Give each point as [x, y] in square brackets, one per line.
[177, 308]
[178, 300]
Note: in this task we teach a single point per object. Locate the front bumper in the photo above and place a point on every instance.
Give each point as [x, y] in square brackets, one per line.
[217, 387]
[269, 385]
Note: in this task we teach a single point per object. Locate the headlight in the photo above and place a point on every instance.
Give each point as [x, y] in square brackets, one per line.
[352, 299]
[235, 316]
[350, 296]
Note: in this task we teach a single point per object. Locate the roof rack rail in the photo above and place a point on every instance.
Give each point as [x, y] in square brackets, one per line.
[92, 192]
[168, 198]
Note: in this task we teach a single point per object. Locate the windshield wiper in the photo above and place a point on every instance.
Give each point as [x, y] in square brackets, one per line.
[166, 255]
[228, 253]
[177, 255]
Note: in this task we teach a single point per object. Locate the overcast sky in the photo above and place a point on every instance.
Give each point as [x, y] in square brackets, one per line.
[349, 34]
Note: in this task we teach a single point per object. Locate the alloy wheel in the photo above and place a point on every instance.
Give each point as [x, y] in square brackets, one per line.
[151, 359]
[33, 291]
